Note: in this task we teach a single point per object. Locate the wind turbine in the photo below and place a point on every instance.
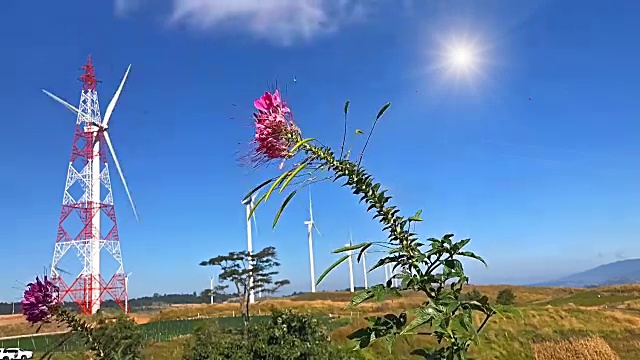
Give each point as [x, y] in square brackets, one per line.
[310, 225]
[249, 204]
[350, 262]
[102, 128]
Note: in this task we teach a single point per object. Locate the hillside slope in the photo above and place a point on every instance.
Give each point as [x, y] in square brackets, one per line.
[616, 273]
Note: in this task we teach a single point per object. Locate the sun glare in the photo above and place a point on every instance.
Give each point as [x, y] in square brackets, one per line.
[461, 57]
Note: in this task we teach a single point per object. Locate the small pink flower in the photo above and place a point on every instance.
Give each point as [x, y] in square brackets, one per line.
[40, 299]
[273, 138]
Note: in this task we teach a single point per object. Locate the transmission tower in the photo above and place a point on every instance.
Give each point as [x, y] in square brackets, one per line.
[88, 219]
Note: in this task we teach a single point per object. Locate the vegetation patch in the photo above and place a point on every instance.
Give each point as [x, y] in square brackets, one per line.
[592, 298]
[593, 348]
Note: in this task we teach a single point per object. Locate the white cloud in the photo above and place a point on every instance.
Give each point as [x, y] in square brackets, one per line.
[279, 21]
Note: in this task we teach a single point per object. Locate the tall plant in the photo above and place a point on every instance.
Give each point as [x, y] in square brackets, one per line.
[432, 267]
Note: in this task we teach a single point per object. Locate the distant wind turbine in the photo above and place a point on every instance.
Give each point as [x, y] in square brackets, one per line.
[310, 226]
[249, 205]
[211, 289]
[350, 262]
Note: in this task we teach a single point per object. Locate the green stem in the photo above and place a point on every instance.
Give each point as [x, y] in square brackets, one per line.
[362, 184]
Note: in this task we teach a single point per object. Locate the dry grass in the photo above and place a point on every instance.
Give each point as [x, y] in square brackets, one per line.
[593, 348]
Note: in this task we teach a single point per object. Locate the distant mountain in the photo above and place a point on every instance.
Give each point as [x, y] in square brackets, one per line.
[616, 273]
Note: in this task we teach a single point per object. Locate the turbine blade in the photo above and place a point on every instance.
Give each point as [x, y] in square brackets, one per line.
[318, 230]
[66, 104]
[112, 104]
[310, 206]
[124, 182]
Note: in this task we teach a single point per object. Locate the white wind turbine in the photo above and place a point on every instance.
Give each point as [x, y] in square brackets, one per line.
[211, 290]
[310, 225]
[249, 205]
[350, 263]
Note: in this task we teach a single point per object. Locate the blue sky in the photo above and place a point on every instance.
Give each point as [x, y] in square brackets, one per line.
[545, 187]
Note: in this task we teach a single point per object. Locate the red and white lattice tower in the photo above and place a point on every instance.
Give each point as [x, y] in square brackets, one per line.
[88, 196]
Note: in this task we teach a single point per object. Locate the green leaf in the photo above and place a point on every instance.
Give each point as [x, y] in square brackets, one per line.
[359, 132]
[390, 340]
[346, 107]
[293, 174]
[284, 204]
[377, 292]
[424, 315]
[255, 189]
[255, 206]
[472, 255]
[416, 217]
[350, 247]
[333, 266]
[361, 296]
[363, 250]
[276, 183]
[382, 110]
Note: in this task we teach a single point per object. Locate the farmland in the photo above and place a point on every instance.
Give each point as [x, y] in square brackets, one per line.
[602, 323]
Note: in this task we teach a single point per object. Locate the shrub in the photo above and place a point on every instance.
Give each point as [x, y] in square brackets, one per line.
[285, 336]
[117, 338]
[506, 297]
[473, 295]
[209, 342]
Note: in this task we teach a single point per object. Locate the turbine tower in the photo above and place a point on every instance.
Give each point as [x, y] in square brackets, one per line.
[211, 290]
[88, 194]
[249, 204]
[350, 262]
[310, 225]
[364, 269]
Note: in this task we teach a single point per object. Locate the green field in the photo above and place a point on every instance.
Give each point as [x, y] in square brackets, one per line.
[158, 331]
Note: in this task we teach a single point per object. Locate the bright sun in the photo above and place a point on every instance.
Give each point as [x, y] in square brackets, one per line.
[461, 57]
[458, 60]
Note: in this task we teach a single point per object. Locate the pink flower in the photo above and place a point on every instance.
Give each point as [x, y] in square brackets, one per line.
[40, 299]
[275, 130]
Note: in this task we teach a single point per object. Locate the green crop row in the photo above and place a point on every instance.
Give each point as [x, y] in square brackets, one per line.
[155, 331]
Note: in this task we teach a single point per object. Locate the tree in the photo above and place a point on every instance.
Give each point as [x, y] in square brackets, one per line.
[247, 279]
[506, 297]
